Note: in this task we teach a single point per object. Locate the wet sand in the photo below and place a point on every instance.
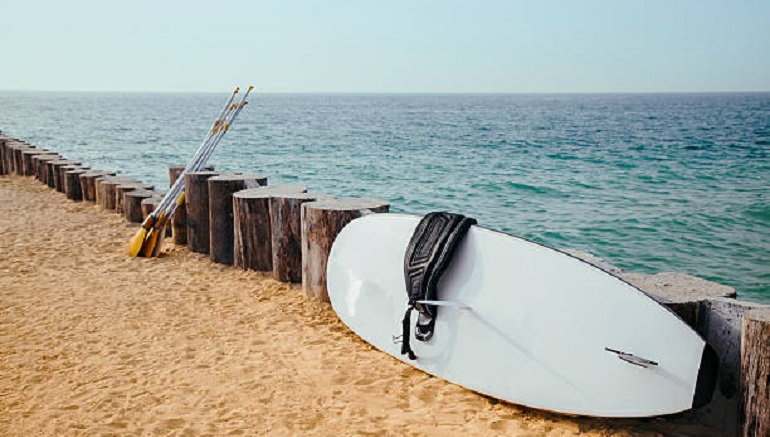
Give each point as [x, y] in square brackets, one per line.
[93, 342]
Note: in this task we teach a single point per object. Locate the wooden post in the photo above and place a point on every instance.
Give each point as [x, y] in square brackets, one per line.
[106, 191]
[18, 157]
[88, 183]
[72, 186]
[221, 189]
[38, 164]
[52, 168]
[179, 221]
[122, 189]
[58, 166]
[10, 146]
[3, 140]
[252, 244]
[197, 208]
[8, 155]
[755, 373]
[62, 175]
[133, 204]
[28, 168]
[286, 238]
[720, 322]
[322, 221]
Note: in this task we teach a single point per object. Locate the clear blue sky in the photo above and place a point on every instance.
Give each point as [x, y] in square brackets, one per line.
[386, 45]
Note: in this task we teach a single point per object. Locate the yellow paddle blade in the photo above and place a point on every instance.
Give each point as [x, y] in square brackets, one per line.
[159, 242]
[149, 243]
[154, 237]
[135, 245]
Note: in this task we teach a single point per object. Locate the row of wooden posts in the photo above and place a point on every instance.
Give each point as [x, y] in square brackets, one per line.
[235, 218]
[238, 219]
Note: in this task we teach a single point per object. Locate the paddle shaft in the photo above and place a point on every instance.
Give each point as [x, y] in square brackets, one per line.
[175, 205]
[201, 157]
[195, 161]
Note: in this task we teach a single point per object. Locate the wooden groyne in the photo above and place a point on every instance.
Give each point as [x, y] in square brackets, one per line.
[286, 232]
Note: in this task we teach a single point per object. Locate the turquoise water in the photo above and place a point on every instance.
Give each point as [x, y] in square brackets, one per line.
[649, 182]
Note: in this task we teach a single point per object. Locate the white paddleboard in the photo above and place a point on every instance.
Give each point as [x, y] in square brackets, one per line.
[524, 323]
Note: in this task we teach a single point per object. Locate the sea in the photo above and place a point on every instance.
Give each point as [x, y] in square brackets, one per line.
[649, 182]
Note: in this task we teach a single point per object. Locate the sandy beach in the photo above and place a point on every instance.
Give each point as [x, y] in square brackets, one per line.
[93, 342]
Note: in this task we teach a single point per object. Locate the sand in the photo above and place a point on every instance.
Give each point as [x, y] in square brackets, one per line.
[93, 342]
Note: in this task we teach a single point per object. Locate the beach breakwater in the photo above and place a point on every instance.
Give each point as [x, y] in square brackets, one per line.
[708, 307]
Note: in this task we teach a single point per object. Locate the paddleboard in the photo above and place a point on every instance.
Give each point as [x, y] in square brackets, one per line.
[524, 323]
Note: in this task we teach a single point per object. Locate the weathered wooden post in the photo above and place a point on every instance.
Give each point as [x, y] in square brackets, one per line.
[7, 157]
[179, 221]
[106, 191]
[57, 172]
[197, 205]
[322, 221]
[133, 204]
[98, 191]
[38, 164]
[3, 140]
[88, 183]
[3, 145]
[62, 174]
[251, 226]
[53, 172]
[18, 157]
[28, 168]
[221, 189]
[286, 226]
[72, 186]
[755, 373]
[50, 172]
[10, 150]
[122, 189]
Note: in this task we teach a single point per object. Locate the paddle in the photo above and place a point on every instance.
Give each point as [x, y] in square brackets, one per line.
[143, 236]
[147, 241]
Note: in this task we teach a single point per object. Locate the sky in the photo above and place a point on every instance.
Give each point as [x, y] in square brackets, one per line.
[386, 46]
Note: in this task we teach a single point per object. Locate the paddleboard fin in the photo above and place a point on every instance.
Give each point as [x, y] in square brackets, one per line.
[428, 254]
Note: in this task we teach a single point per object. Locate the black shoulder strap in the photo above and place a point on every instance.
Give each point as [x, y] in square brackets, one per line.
[430, 250]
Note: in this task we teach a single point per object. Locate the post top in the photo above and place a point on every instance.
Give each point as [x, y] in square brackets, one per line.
[269, 191]
[346, 204]
[303, 196]
[227, 177]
